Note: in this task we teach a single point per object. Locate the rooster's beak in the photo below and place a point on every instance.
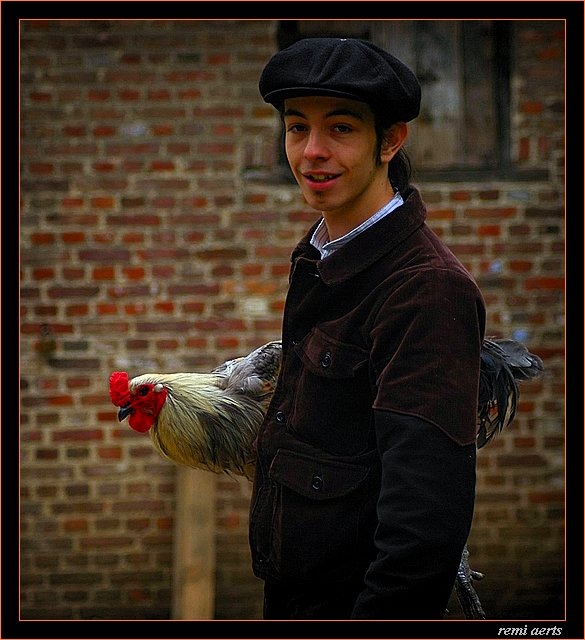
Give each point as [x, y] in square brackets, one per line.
[124, 412]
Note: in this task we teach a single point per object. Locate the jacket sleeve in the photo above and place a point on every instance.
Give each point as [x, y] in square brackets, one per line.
[426, 345]
[425, 510]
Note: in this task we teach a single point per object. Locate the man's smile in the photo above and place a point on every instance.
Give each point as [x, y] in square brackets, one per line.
[315, 177]
[320, 179]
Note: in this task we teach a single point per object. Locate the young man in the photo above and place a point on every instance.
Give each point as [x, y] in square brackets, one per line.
[365, 482]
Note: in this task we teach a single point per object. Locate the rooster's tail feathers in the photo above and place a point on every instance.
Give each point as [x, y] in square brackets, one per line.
[503, 363]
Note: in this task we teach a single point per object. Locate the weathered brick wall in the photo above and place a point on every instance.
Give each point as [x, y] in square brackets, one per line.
[518, 531]
[144, 247]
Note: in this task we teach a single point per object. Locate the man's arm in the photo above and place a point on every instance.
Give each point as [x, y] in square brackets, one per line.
[424, 511]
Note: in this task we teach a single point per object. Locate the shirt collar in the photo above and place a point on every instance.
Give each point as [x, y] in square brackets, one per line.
[320, 238]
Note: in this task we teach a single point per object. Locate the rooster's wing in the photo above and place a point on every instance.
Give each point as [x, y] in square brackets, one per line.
[253, 375]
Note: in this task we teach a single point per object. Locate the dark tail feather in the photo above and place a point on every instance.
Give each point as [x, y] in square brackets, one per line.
[504, 362]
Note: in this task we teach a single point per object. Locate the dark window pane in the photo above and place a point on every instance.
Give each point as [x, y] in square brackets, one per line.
[454, 64]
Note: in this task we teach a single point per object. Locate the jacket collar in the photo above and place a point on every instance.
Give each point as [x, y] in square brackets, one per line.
[369, 246]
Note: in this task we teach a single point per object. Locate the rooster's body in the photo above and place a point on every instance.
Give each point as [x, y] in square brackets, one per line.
[206, 420]
[210, 420]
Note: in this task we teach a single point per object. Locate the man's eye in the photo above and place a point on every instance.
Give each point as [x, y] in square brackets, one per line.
[295, 128]
[342, 128]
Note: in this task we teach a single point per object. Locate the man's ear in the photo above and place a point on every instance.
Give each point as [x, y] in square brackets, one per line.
[394, 138]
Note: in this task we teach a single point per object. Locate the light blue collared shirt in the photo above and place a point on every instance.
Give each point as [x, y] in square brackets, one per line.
[320, 238]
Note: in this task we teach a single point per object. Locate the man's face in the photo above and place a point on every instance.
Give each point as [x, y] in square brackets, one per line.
[331, 148]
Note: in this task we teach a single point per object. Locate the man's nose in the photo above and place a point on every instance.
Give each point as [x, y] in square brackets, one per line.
[316, 146]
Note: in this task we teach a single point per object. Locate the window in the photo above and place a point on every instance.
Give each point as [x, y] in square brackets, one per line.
[455, 63]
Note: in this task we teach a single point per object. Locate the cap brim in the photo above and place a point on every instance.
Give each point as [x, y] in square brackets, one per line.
[278, 96]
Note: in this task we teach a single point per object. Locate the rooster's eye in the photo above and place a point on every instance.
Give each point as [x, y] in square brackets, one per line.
[143, 391]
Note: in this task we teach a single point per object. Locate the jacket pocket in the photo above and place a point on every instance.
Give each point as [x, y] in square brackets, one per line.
[329, 358]
[332, 405]
[318, 517]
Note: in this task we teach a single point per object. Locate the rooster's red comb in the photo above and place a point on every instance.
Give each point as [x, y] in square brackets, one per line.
[119, 392]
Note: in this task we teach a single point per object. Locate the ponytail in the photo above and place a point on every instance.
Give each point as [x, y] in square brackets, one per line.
[400, 167]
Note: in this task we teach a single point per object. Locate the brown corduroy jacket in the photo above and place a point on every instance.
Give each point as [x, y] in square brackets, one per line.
[366, 458]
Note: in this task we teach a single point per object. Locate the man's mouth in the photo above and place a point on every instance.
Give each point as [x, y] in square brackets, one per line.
[319, 177]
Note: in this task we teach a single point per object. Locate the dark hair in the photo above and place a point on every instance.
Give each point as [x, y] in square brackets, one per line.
[400, 167]
[400, 171]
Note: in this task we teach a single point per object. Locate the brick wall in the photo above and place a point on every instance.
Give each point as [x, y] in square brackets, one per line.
[145, 247]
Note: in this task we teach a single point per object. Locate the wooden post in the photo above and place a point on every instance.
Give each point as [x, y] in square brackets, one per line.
[194, 546]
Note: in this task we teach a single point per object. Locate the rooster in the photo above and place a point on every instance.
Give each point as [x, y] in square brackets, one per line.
[210, 420]
[203, 420]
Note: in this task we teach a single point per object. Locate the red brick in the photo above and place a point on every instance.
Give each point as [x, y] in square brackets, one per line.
[47, 454]
[163, 130]
[73, 237]
[78, 435]
[39, 239]
[43, 273]
[72, 202]
[190, 94]
[42, 168]
[106, 541]
[106, 308]
[525, 442]
[135, 309]
[544, 283]
[110, 453]
[104, 167]
[103, 273]
[75, 525]
[222, 129]
[521, 266]
[165, 307]
[489, 230]
[547, 497]
[252, 269]
[162, 165]
[73, 273]
[167, 345]
[103, 202]
[134, 273]
[533, 107]
[77, 310]
[60, 401]
[138, 524]
[495, 212]
[40, 96]
[460, 196]
[98, 95]
[227, 343]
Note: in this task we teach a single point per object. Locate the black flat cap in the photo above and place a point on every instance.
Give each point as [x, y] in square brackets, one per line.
[345, 67]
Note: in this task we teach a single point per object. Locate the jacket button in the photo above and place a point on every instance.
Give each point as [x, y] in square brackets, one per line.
[317, 483]
[326, 359]
[280, 417]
